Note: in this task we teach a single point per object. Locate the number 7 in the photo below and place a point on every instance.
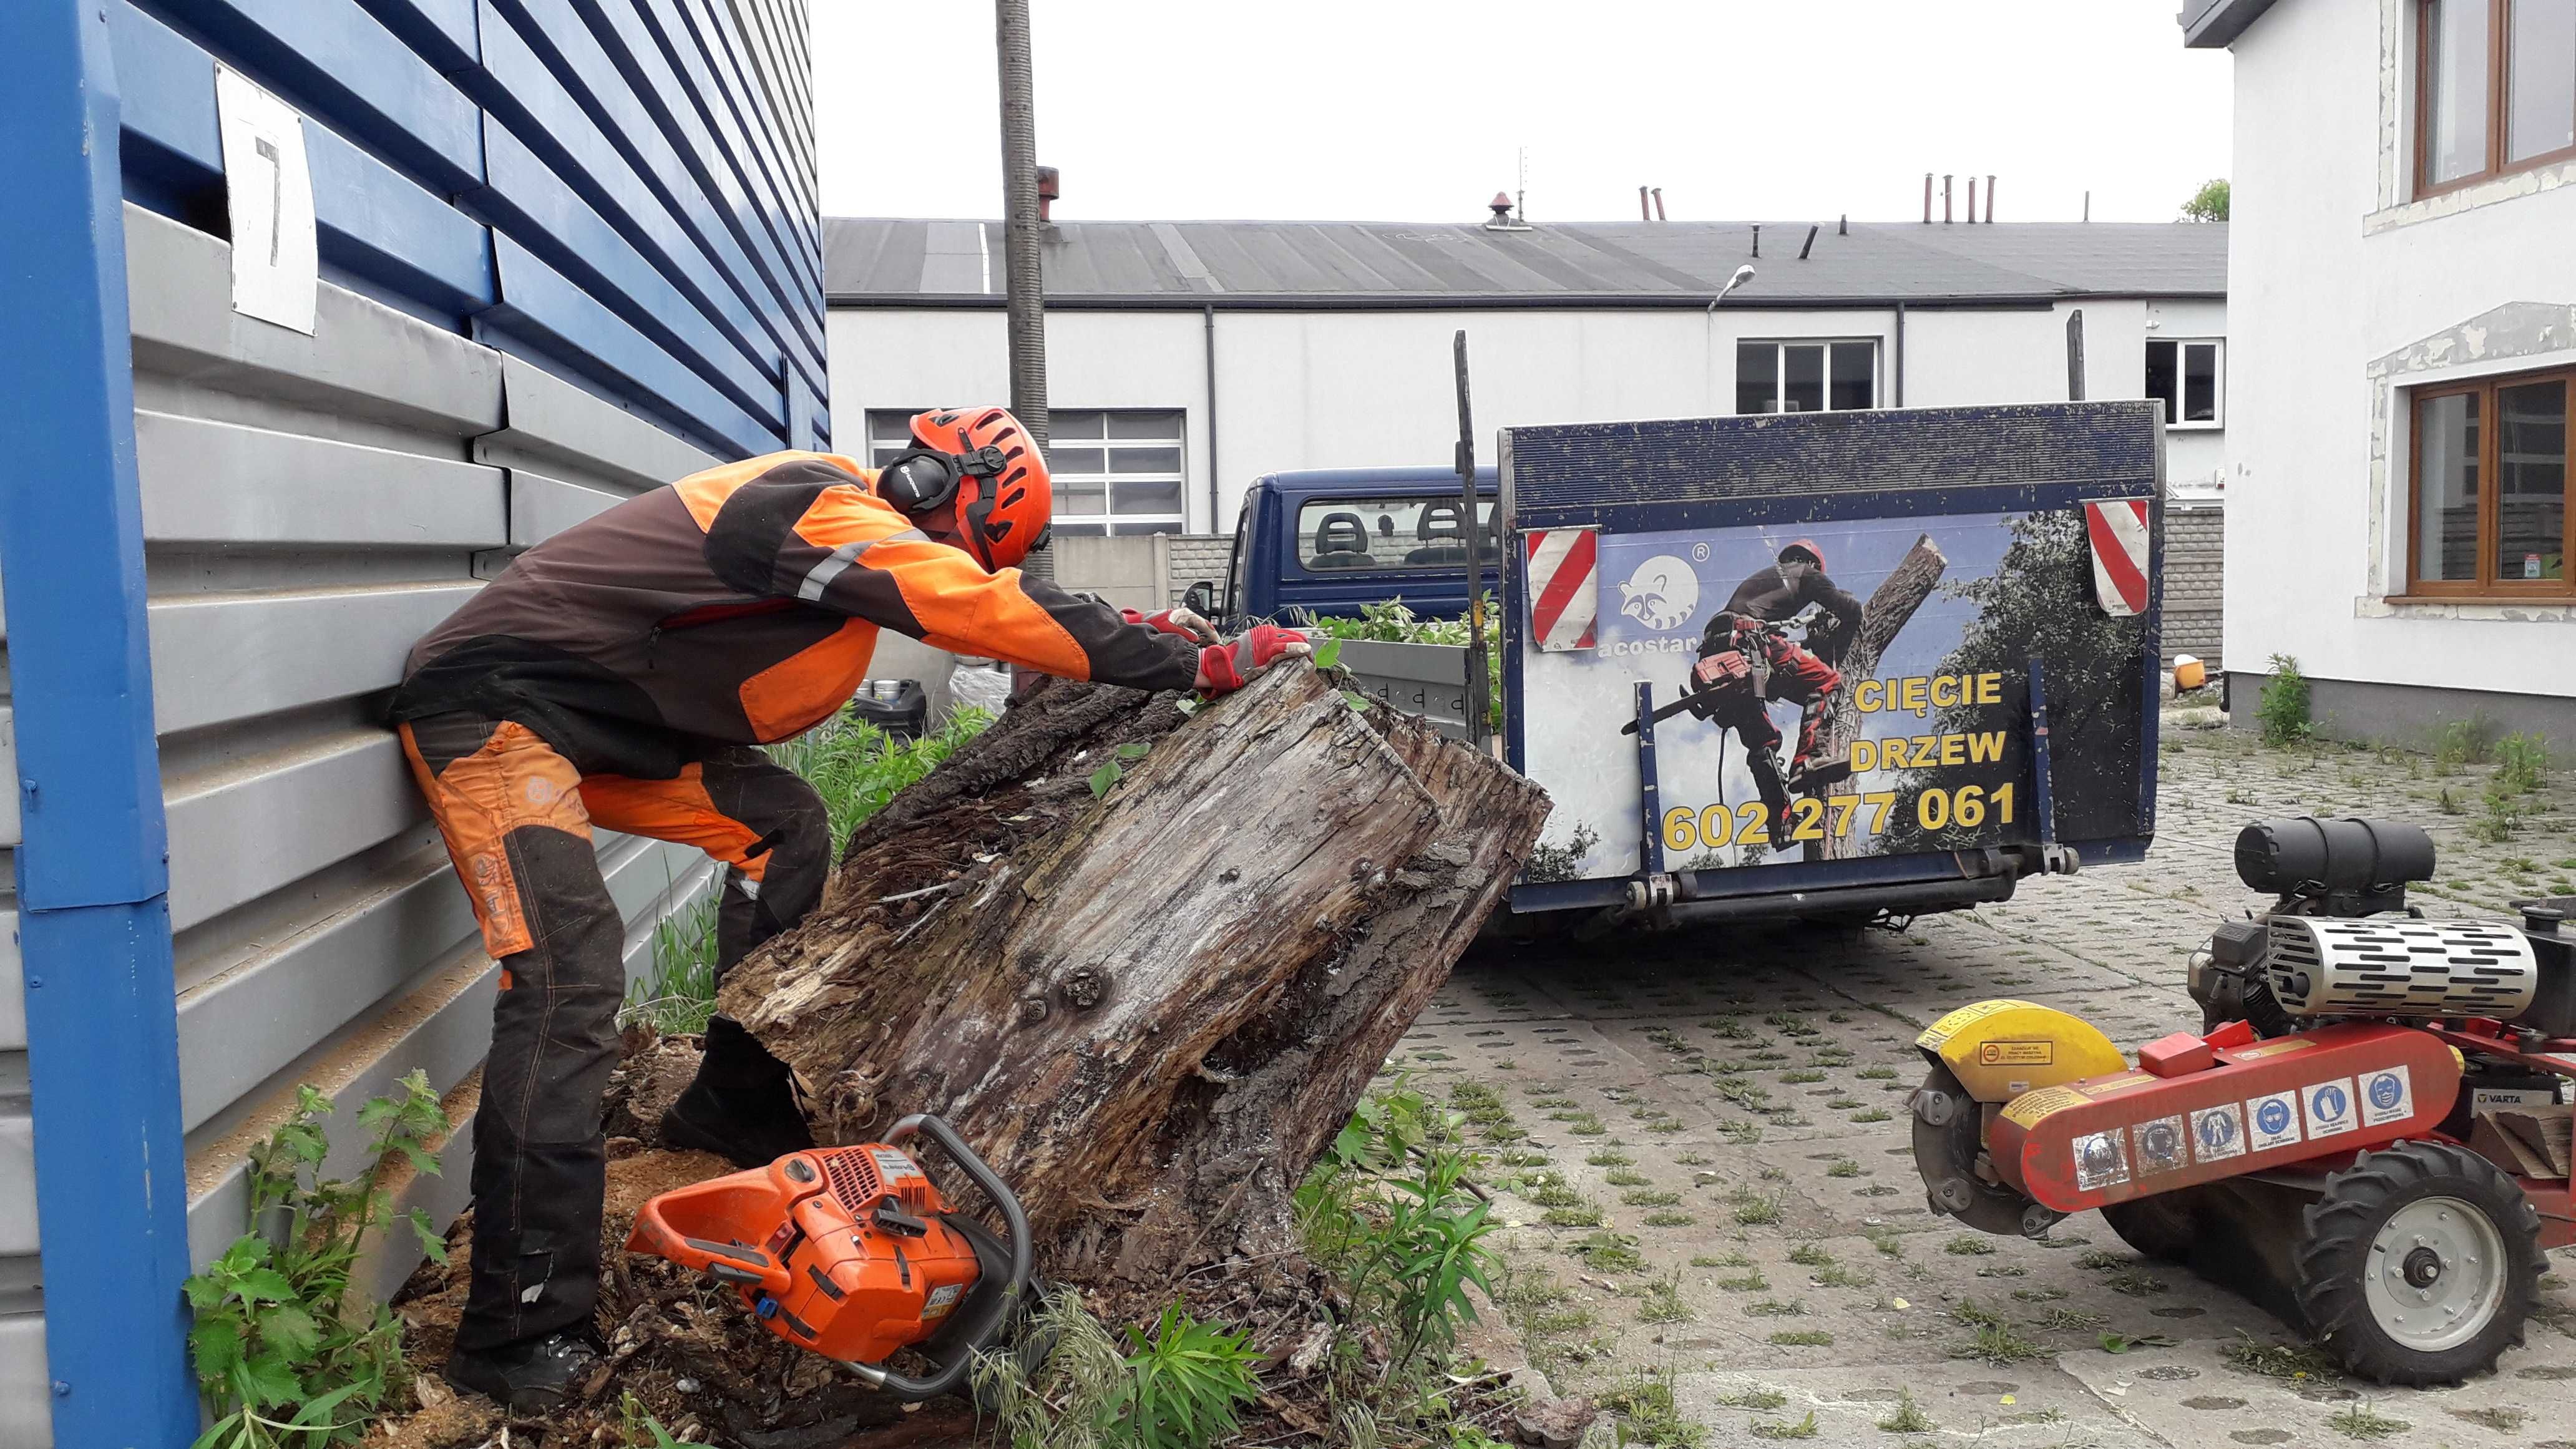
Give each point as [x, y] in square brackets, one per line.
[276, 193]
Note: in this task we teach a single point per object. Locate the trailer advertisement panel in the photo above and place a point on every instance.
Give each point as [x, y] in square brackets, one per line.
[1833, 690]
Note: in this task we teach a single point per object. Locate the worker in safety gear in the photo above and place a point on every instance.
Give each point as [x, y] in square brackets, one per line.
[1746, 629]
[619, 675]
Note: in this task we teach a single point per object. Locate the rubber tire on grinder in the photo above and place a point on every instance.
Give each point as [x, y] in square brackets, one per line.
[2162, 1227]
[2333, 1255]
[1952, 1150]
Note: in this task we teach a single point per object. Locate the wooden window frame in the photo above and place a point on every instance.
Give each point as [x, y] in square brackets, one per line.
[2499, 104]
[2488, 586]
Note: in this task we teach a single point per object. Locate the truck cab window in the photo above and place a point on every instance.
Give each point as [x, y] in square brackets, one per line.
[1380, 535]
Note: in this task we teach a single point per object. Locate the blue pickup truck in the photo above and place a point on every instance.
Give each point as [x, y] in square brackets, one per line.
[1325, 541]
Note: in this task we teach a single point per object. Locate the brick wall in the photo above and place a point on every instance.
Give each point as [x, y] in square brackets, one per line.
[2195, 556]
[1197, 556]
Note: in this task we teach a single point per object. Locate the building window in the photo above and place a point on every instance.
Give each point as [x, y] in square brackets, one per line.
[1804, 376]
[2495, 88]
[2489, 499]
[1115, 472]
[2182, 373]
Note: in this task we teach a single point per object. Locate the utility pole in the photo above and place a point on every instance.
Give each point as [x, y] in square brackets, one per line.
[1024, 288]
[1479, 706]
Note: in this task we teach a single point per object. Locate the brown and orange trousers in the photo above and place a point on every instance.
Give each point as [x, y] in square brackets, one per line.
[517, 816]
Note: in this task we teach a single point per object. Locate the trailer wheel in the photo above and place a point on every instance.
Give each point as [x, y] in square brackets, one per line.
[2419, 1264]
[2162, 1227]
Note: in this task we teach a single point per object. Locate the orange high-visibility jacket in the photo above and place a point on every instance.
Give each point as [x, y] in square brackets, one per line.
[742, 605]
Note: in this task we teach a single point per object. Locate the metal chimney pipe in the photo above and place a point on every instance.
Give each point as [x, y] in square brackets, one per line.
[1927, 198]
[1843, 227]
[1972, 201]
[1990, 198]
[1642, 213]
[1945, 197]
[1811, 242]
[1757, 238]
[2088, 206]
[1659, 203]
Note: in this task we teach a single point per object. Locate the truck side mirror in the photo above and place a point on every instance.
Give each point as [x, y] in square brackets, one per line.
[1200, 599]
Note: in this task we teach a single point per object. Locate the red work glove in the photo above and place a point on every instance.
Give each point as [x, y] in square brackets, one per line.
[1224, 668]
[1174, 621]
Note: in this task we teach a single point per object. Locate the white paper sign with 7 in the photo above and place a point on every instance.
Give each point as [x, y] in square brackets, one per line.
[268, 191]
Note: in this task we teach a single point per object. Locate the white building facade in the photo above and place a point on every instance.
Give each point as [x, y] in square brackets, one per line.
[2403, 283]
[1186, 359]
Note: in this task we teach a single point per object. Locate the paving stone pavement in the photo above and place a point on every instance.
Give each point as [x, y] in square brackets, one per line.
[1715, 1193]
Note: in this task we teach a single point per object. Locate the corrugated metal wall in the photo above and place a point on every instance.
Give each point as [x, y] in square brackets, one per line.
[570, 251]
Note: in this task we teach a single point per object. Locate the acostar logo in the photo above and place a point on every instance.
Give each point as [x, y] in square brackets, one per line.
[1662, 594]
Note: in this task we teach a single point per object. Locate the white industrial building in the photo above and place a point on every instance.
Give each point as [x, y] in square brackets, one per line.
[1185, 359]
[2404, 341]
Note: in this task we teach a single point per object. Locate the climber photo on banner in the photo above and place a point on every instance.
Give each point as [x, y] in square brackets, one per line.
[1828, 690]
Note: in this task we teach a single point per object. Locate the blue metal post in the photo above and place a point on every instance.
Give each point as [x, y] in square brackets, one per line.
[93, 866]
[1650, 794]
[2043, 800]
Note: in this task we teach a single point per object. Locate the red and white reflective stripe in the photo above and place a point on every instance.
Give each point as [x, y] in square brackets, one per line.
[2121, 554]
[1564, 588]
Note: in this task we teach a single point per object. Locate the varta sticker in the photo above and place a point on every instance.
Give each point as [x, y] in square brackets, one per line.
[2274, 1120]
[2329, 1107]
[2218, 1133]
[2386, 1096]
[942, 1298]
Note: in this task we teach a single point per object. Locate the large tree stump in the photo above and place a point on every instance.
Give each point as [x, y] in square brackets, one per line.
[1891, 605]
[1148, 1011]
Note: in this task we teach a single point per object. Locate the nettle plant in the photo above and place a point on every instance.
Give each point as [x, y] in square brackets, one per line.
[285, 1355]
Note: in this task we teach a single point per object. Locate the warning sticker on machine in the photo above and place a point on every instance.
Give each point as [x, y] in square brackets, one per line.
[892, 1164]
[2270, 1049]
[2329, 1107]
[942, 1298]
[2218, 1133]
[1960, 1020]
[2016, 1053]
[2113, 1086]
[2100, 1160]
[2162, 1147]
[2026, 1109]
[2386, 1096]
[2275, 1121]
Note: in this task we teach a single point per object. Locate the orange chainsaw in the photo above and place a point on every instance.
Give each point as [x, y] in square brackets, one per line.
[853, 1253]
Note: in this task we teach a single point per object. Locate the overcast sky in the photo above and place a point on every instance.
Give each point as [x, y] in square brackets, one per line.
[1403, 110]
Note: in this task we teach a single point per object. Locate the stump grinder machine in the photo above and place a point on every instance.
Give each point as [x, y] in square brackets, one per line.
[2366, 1134]
[853, 1253]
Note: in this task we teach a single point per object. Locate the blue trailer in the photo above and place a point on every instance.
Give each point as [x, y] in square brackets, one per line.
[1722, 742]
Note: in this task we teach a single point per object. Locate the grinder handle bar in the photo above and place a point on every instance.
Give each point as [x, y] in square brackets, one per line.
[903, 1386]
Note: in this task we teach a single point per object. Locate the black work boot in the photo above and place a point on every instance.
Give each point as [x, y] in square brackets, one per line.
[742, 1105]
[532, 1376]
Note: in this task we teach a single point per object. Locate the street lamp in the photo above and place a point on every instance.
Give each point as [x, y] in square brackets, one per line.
[1743, 274]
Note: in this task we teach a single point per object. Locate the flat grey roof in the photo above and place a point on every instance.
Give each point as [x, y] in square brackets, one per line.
[895, 261]
[2211, 24]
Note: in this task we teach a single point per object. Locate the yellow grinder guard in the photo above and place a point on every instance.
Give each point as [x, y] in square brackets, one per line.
[2001, 1049]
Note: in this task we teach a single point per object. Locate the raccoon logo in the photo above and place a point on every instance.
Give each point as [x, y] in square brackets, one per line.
[1662, 594]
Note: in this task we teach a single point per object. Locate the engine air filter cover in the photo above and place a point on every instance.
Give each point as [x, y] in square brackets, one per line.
[2393, 966]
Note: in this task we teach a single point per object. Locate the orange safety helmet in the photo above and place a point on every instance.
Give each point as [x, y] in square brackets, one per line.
[977, 475]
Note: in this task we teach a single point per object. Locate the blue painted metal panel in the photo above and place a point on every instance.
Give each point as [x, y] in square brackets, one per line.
[622, 33]
[609, 150]
[540, 305]
[644, 27]
[535, 207]
[102, 1034]
[374, 221]
[439, 31]
[331, 59]
[724, 46]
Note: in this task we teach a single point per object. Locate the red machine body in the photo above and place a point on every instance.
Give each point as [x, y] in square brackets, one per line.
[853, 1253]
[2256, 1105]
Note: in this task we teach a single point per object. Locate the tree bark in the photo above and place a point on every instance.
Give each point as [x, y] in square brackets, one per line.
[1886, 614]
[1150, 1011]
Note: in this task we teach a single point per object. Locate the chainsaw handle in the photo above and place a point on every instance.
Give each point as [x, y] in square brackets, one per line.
[903, 1386]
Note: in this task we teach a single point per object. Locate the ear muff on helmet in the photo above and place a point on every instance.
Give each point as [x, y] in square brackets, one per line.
[925, 480]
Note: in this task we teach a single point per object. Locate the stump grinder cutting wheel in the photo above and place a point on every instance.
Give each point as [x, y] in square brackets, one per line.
[2367, 1134]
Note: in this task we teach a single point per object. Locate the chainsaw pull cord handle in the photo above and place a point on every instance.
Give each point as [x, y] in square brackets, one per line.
[924, 1124]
